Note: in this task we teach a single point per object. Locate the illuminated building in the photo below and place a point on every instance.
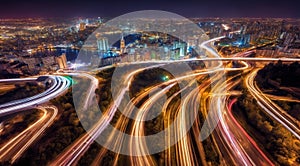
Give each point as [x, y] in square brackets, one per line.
[61, 61]
[175, 54]
[102, 44]
[243, 40]
[100, 20]
[122, 45]
[82, 26]
[289, 39]
[182, 48]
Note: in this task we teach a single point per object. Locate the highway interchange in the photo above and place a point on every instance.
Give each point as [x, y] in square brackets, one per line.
[231, 141]
[15, 147]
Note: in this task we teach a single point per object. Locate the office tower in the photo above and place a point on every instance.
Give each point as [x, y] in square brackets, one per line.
[102, 44]
[82, 26]
[62, 61]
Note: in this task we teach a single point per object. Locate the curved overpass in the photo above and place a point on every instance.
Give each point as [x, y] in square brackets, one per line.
[59, 85]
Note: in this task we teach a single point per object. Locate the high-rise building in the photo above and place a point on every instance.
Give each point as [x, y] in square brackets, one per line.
[122, 45]
[61, 61]
[82, 26]
[244, 29]
[102, 44]
[181, 46]
[175, 54]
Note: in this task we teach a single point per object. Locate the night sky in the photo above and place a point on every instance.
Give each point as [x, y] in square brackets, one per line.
[186, 8]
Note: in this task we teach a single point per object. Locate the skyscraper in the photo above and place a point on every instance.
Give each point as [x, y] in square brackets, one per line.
[82, 26]
[122, 45]
[61, 61]
[102, 44]
[181, 46]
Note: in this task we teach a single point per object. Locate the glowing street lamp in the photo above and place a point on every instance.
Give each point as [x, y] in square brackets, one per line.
[165, 78]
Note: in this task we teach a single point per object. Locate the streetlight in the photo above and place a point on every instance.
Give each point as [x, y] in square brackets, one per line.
[165, 78]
